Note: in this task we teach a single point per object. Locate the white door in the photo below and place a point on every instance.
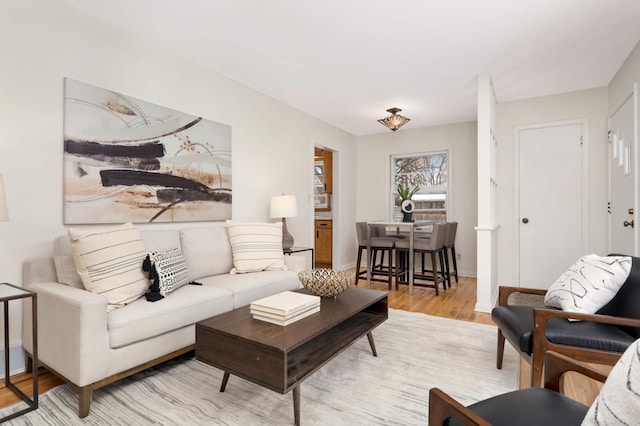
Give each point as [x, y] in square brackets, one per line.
[621, 172]
[550, 202]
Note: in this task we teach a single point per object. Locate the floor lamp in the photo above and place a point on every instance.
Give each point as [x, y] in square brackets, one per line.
[284, 206]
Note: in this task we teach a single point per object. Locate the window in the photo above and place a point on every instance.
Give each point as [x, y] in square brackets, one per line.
[430, 171]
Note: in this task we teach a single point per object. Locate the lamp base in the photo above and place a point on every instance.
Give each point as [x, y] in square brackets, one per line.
[287, 239]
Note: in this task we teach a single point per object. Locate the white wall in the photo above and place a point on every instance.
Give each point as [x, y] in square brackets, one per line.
[45, 41]
[587, 104]
[373, 164]
[622, 83]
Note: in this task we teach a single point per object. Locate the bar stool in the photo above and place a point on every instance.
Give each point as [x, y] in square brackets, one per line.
[433, 246]
[382, 245]
[450, 245]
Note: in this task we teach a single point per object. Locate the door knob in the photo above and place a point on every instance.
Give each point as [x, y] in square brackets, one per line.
[525, 220]
[627, 223]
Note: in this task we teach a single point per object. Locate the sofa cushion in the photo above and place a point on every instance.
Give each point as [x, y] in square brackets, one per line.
[109, 262]
[207, 251]
[142, 320]
[160, 239]
[66, 271]
[256, 246]
[589, 284]
[249, 287]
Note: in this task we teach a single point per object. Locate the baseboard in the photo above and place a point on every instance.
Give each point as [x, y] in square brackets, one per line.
[17, 359]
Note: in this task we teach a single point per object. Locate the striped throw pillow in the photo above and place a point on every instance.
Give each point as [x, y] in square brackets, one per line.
[256, 247]
[109, 262]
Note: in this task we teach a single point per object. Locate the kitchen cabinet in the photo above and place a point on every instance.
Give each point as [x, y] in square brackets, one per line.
[323, 244]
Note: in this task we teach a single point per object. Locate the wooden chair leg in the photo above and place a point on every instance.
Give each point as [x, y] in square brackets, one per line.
[359, 259]
[397, 267]
[455, 263]
[445, 271]
[390, 252]
[447, 266]
[500, 350]
[434, 267]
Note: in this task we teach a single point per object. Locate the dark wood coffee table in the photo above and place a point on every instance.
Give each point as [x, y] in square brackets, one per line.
[280, 358]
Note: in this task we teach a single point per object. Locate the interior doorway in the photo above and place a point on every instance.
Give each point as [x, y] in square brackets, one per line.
[323, 178]
[622, 202]
[551, 201]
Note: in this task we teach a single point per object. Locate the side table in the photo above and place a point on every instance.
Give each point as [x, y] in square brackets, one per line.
[301, 249]
[9, 292]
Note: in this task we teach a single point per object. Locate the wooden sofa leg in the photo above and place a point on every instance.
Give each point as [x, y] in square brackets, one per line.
[29, 364]
[500, 350]
[86, 393]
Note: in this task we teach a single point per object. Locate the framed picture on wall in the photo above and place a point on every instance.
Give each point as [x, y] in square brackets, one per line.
[128, 160]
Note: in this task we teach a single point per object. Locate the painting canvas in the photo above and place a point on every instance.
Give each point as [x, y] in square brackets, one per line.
[127, 160]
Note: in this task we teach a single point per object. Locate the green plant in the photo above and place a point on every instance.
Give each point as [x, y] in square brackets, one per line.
[405, 192]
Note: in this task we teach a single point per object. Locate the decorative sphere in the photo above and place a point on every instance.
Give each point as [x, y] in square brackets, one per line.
[326, 282]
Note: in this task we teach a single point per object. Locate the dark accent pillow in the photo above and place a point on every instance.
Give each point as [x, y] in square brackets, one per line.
[167, 272]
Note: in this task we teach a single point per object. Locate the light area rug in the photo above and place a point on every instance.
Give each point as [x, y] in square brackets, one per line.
[415, 353]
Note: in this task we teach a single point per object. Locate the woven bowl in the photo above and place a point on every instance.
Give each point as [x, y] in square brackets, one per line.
[326, 282]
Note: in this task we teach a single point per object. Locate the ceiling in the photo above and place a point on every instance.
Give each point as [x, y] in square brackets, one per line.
[347, 61]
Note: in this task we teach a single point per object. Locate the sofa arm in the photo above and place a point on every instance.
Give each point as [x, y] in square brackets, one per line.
[73, 338]
[38, 270]
[295, 263]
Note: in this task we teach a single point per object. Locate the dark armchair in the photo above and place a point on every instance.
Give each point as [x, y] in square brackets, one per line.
[599, 338]
[525, 407]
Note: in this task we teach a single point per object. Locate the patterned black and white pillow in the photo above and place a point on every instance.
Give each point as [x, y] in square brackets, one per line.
[167, 272]
[589, 284]
[618, 403]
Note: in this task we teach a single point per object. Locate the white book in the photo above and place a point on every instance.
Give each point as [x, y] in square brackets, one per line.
[266, 312]
[286, 303]
[287, 321]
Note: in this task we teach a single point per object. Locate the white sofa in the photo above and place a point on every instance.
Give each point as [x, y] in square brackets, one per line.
[89, 347]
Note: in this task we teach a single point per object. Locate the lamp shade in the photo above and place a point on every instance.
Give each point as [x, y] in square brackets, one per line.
[283, 206]
[4, 212]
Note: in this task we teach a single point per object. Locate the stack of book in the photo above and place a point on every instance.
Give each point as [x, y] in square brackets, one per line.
[285, 308]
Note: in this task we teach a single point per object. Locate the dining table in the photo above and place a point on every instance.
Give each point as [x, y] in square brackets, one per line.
[411, 226]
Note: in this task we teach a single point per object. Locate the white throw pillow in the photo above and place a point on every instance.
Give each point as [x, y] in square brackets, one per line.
[256, 247]
[589, 284]
[618, 403]
[109, 262]
[167, 272]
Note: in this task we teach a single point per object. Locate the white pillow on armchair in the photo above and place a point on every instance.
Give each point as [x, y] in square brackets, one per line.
[589, 284]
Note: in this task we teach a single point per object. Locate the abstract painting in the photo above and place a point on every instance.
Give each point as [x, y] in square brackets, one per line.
[127, 160]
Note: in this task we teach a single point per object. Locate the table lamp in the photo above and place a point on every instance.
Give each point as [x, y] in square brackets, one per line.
[4, 212]
[284, 206]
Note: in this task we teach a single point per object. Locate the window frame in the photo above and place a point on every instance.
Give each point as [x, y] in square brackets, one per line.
[393, 193]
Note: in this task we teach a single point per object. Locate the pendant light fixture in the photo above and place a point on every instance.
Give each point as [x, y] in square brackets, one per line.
[395, 120]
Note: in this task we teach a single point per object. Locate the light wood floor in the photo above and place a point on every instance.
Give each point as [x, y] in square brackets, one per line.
[457, 302]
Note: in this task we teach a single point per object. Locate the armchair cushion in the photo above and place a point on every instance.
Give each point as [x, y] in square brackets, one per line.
[531, 406]
[589, 284]
[515, 322]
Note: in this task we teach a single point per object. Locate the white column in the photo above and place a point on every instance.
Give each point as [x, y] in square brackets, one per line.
[487, 229]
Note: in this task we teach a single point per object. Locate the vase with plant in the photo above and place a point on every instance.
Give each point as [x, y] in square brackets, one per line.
[407, 205]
